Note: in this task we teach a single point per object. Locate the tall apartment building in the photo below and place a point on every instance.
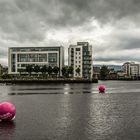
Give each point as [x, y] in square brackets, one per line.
[20, 57]
[131, 69]
[80, 57]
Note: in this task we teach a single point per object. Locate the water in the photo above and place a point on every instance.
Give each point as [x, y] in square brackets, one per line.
[73, 111]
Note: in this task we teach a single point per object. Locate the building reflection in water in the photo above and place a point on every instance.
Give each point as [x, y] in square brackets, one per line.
[73, 113]
[66, 89]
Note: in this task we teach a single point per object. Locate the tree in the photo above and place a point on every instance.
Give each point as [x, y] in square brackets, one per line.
[50, 70]
[64, 71]
[78, 71]
[56, 70]
[70, 70]
[29, 69]
[20, 71]
[36, 69]
[104, 72]
[6, 76]
[43, 69]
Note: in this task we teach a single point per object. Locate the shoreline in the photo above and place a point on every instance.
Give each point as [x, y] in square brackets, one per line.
[40, 81]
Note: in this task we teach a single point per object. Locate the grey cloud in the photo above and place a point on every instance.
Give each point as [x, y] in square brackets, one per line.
[119, 58]
[3, 52]
[103, 10]
[30, 20]
[131, 44]
[124, 40]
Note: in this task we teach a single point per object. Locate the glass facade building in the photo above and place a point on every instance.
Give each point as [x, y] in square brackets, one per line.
[20, 57]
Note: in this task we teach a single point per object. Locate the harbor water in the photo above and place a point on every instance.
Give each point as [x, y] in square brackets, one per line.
[73, 111]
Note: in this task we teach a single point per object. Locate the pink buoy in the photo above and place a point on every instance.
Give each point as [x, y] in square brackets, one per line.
[101, 89]
[7, 111]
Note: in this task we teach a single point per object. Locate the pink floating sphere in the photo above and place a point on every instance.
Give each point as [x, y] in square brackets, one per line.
[101, 88]
[7, 111]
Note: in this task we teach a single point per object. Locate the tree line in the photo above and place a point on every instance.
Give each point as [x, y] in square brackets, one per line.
[67, 71]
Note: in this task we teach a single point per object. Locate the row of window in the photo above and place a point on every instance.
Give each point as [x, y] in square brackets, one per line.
[35, 49]
[50, 57]
[78, 53]
[77, 49]
[77, 66]
[79, 57]
[77, 61]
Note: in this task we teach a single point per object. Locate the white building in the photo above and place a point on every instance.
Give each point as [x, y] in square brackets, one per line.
[20, 57]
[80, 57]
[131, 69]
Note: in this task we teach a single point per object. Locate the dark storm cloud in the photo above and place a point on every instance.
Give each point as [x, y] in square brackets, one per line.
[103, 10]
[29, 19]
[24, 21]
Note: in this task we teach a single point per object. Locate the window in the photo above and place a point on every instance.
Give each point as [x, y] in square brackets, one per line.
[52, 57]
[77, 49]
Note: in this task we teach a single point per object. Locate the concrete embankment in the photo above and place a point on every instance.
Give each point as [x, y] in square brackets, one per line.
[40, 81]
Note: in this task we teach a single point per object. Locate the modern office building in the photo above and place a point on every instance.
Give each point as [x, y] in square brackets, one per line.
[131, 69]
[80, 57]
[20, 57]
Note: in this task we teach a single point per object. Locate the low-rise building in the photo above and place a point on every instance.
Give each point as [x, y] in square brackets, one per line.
[131, 69]
[20, 57]
[121, 74]
[96, 72]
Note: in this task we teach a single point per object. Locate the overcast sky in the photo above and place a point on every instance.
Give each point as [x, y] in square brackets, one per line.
[111, 26]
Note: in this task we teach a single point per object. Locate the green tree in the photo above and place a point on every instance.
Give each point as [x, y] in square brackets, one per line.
[6, 76]
[50, 70]
[29, 69]
[70, 70]
[36, 69]
[56, 70]
[78, 71]
[64, 71]
[104, 72]
[20, 71]
[43, 69]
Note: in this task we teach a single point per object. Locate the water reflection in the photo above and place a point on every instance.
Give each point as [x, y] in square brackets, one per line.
[7, 130]
[74, 111]
[30, 93]
[66, 88]
[53, 89]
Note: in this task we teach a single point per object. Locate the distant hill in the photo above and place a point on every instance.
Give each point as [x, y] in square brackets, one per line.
[115, 67]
